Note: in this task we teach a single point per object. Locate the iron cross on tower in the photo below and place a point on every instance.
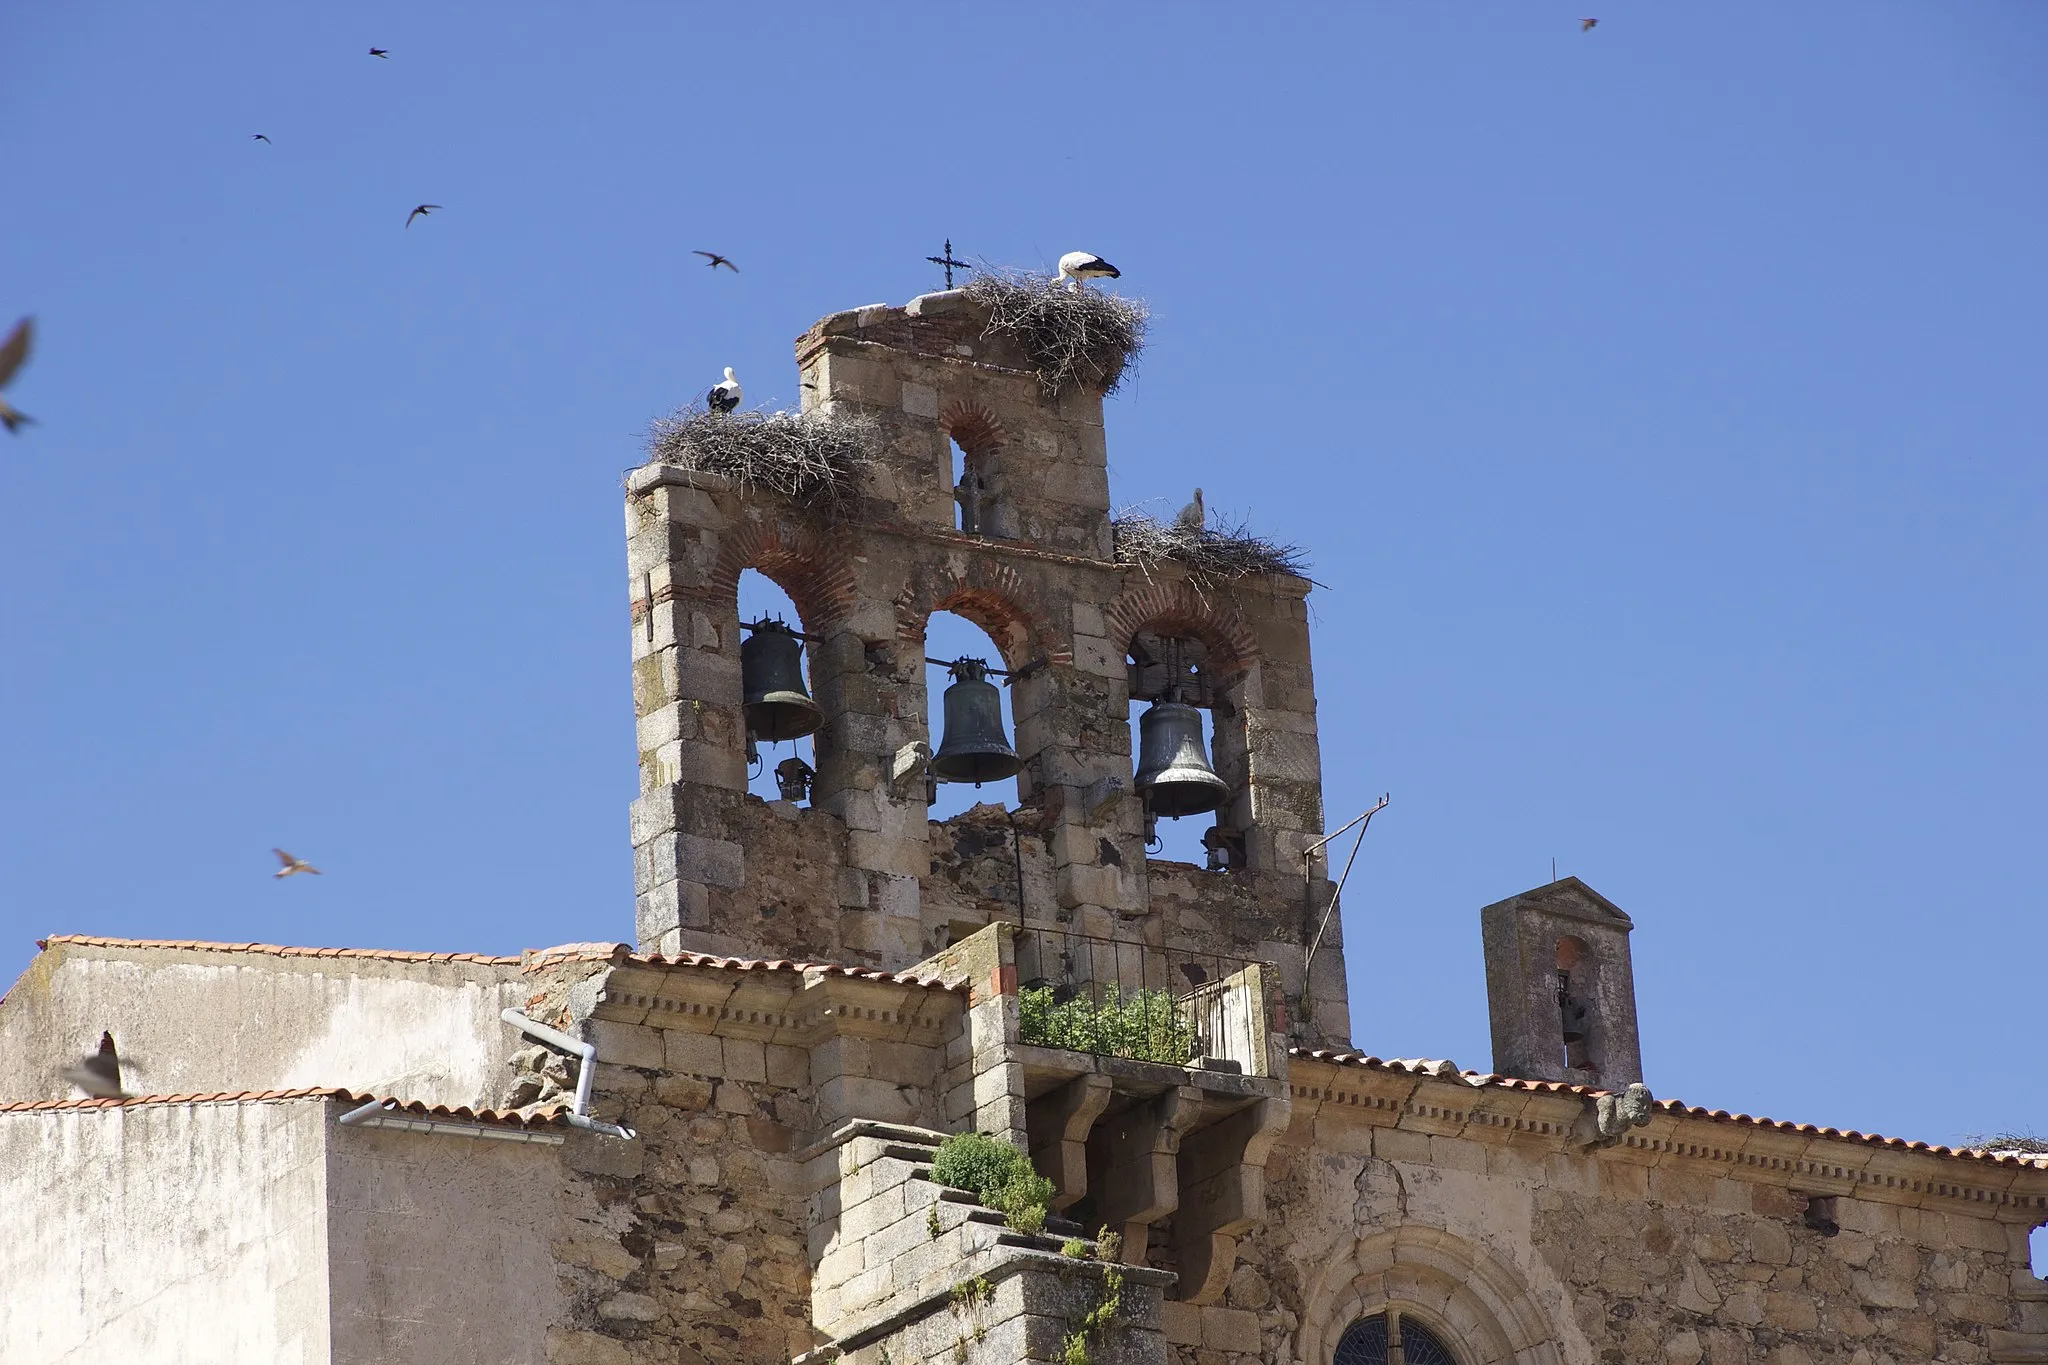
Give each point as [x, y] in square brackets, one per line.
[948, 262]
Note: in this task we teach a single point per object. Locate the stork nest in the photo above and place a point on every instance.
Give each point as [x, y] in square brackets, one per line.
[1215, 554]
[817, 461]
[1070, 336]
[2029, 1144]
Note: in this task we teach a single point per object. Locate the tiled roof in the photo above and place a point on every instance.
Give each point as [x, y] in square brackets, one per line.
[1448, 1071]
[532, 959]
[537, 1118]
[271, 949]
[623, 955]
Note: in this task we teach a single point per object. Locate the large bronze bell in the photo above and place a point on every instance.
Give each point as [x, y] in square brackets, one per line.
[772, 685]
[1174, 776]
[974, 748]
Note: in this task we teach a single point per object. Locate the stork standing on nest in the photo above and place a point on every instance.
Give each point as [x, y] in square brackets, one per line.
[1077, 266]
[1194, 516]
[724, 397]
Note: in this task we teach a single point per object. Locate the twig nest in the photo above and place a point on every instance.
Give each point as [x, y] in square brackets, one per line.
[1070, 336]
[816, 461]
[1216, 554]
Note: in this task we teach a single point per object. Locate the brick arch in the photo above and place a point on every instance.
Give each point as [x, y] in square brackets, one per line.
[993, 596]
[973, 427]
[1480, 1306]
[1175, 608]
[810, 565]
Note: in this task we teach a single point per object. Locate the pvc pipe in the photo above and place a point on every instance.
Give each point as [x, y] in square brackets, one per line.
[578, 1117]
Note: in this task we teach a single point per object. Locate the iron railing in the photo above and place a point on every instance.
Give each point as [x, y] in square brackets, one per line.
[1118, 998]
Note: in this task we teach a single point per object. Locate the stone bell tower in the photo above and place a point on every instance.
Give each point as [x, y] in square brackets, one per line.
[860, 874]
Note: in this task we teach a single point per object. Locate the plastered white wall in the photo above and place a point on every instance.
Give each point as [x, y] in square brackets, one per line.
[167, 1234]
[202, 1023]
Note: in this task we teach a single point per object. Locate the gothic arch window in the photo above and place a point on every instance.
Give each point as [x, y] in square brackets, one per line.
[1389, 1338]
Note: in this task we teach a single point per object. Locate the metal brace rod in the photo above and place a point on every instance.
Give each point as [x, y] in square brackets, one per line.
[1363, 823]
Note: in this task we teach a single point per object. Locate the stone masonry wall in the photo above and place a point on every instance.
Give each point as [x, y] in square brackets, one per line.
[689, 1241]
[1478, 1213]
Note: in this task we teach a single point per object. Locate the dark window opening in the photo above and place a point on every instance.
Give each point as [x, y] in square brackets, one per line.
[1574, 976]
[974, 501]
[1820, 1214]
[1391, 1338]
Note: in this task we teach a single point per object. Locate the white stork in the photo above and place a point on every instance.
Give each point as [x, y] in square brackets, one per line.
[724, 397]
[1194, 516]
[1077, 266]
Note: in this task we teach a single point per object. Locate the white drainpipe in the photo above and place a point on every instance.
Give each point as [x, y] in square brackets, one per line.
[578, 1117]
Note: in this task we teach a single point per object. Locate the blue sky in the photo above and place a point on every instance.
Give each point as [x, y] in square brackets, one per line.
[1662, 406]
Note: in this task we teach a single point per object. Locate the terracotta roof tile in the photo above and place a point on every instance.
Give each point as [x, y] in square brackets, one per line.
[531, 960]
[623, 955]
[271, 949]
[1483, 1078]
[537, 1118]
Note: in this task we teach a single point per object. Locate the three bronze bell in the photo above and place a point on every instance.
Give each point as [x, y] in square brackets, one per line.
[1174, 777]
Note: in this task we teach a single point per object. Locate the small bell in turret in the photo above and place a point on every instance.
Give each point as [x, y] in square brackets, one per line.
[1174, 776]
[974, 748]
[772, 684]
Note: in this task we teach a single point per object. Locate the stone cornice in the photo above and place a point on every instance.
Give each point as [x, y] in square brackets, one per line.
[781, 1007]
[1487, 1111]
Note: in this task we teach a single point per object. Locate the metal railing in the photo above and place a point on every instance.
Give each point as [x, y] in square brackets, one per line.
[1124, 999]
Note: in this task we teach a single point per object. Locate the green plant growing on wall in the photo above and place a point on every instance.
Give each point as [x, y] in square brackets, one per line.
[1076, 1348]
[931, 1220]
[1145, 1025]
[998, 1175]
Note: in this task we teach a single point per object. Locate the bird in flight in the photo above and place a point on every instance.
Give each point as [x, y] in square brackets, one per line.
[258, 137]
[712, 260]
[98, 1074]
[1588, 25]
[292, 864]
[422, 211]
[725, 396]
[1077, 266]
[13, 352]
[379, 52]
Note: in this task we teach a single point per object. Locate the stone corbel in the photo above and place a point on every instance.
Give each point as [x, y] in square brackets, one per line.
[1140, 1180]
[1060, 1122]
[1222, 1195]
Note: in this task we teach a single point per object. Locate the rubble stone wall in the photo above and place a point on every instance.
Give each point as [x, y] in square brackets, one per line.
[691, 1236]
[696, 1233]
[1482, 1217]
